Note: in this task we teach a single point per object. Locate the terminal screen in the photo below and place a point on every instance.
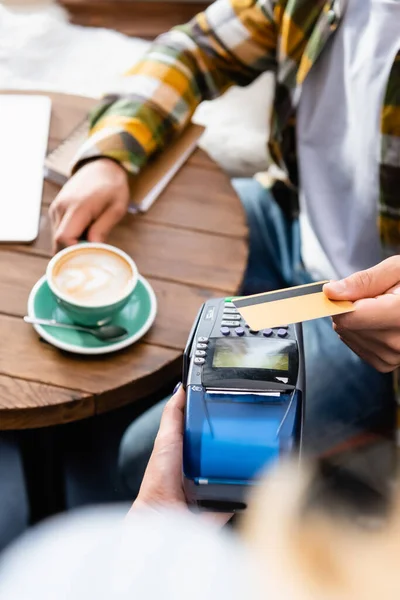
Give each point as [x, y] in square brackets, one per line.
[251, 353]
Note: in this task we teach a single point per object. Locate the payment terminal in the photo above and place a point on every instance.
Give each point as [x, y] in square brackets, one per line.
[245, 404]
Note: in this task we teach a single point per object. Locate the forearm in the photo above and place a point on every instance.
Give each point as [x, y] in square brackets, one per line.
[230, 43]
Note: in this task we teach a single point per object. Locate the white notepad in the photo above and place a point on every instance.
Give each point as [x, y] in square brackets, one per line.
[24, 132]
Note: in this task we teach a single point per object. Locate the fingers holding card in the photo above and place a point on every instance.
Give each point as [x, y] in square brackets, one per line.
[290, 305]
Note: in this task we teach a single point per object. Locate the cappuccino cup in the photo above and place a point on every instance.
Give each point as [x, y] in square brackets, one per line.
[92, 282]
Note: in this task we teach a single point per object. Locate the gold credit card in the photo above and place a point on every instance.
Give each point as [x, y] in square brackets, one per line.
[290, 305]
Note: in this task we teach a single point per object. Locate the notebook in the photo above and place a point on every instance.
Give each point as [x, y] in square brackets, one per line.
[150, 182]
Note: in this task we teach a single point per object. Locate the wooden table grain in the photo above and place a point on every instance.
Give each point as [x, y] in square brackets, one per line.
[192, 245]
[138, 18]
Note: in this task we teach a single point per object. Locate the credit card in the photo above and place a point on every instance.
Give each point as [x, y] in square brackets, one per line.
[290, 305]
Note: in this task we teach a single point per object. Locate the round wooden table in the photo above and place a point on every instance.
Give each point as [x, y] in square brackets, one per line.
[191, 246]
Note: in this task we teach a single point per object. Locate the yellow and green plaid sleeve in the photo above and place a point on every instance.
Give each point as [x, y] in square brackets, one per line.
[232, 42]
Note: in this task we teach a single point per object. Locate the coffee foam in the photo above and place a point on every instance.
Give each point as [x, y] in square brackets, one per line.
[92, 276]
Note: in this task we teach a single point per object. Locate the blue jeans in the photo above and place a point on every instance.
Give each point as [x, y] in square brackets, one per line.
[344, 394]
[13, 500]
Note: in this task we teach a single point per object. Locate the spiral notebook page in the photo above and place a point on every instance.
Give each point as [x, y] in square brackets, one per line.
[58, 162]
[24, 127]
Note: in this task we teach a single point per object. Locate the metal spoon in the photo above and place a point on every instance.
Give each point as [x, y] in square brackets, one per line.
[105, 333]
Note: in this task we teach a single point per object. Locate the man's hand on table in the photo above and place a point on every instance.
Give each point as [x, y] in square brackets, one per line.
[162, 485]
[94, 200]
[373, 330]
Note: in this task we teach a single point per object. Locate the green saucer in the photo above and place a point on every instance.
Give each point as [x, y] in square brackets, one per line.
[137, 317]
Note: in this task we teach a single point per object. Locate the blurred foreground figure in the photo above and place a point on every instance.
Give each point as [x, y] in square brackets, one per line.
[286, 550]
[99, 554]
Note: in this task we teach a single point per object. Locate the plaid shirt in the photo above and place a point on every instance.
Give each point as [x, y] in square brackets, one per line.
[232, 42]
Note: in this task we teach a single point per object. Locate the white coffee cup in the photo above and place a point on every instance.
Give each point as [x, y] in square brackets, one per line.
[92, 281]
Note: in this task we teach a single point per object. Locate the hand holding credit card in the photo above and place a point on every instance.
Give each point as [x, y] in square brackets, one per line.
[290, 305]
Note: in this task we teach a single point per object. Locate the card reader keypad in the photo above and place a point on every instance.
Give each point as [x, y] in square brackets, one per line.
[222, 319]
[241, 329]
[233, 324]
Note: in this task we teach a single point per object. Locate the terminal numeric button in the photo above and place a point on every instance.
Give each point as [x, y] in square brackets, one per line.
[202, 339]
[201, 346]
[254, 331]
[239, 331]
[232, 311]
[200, 353]
[267, 332]
[199, 361]
[282, 332]
[225, 330]
[232, 317]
